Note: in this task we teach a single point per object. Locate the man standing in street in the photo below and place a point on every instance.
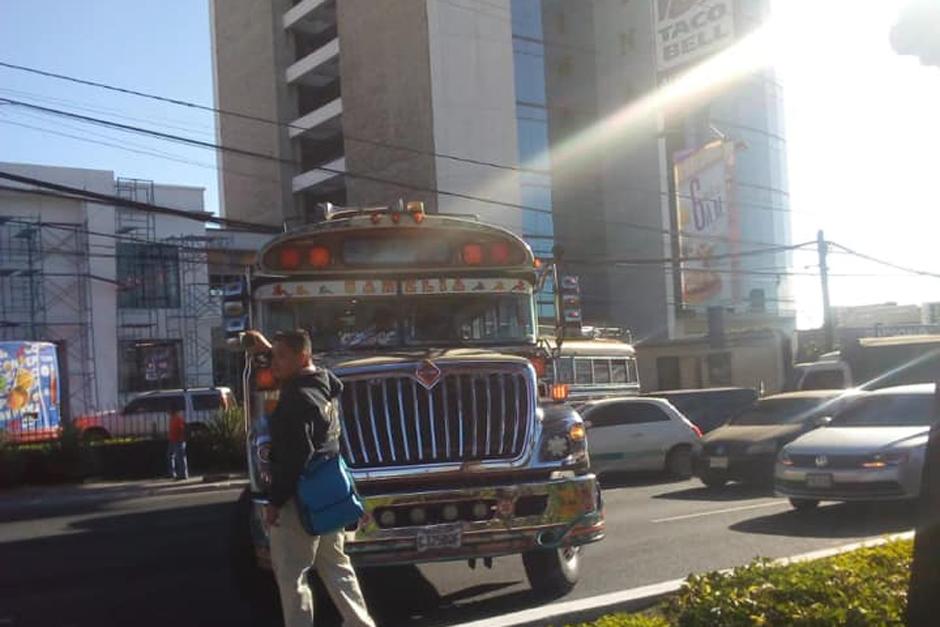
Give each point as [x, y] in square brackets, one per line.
[176, 447]
[302, 424]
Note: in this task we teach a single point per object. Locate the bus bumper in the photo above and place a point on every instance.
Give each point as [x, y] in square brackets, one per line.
[477, 522]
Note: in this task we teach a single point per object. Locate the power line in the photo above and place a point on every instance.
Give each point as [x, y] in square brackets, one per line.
[661, 260]
[400, 184]
[885, 263]
[81, 194]
[290, 126]
[141, 150]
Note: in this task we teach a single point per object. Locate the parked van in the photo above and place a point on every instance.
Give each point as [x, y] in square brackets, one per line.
[147, 414]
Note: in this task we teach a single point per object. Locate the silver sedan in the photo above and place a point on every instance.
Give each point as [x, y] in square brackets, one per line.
[873, 450]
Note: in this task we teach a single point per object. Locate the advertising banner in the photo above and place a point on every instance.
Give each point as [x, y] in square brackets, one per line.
[29, 388]
[686, 31]
[708, 224]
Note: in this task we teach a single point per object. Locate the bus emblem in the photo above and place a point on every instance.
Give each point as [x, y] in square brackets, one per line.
[427, 374]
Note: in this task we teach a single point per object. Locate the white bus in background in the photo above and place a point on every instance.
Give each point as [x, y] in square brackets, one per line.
[595, 368]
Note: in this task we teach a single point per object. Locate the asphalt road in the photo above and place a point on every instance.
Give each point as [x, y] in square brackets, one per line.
[163, 560]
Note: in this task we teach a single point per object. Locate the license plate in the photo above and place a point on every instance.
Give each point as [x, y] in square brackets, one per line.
[439, 537]
[717, 462]
[818, 481]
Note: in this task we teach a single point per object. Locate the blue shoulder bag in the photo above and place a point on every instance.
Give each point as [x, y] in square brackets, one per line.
[326, 493]
[326, 496]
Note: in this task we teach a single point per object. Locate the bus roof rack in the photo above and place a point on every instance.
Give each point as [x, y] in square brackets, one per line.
[328, 211]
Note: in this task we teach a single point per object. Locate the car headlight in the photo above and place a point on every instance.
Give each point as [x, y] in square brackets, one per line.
[784, 458]
[761, 448]
[882, 460]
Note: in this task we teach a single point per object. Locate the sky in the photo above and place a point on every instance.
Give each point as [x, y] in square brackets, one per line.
[863, 127]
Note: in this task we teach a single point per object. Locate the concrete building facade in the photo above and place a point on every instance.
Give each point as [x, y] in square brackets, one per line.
[473, 106]
[124, 292]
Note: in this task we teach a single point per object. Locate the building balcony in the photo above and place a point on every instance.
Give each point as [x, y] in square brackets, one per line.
[317, 69]
[321, 181]
[311, 16]
[320, 123]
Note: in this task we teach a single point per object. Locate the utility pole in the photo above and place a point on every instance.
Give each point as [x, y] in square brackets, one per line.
[828, 332]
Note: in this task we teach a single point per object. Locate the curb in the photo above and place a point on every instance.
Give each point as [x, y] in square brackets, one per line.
[636, 599]
[105, 493]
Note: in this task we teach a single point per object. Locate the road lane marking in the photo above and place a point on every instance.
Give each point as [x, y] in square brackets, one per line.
[568, 611]
[711, 512]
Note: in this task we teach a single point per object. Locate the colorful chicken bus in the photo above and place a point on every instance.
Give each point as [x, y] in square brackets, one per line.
[430, 322]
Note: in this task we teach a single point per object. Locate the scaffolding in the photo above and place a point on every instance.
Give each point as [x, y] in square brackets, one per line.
[140, 227]
[50, 273]
[22, 313]
[45, 295]
[199, 310]
[187, 321]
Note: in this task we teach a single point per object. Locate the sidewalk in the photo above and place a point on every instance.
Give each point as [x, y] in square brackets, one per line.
[118, 490]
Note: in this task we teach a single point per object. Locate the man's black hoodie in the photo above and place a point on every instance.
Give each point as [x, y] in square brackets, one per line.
[302, 423]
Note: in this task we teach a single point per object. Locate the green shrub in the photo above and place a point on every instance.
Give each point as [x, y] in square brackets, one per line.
[629, 620]
[224, 438]
[864, 587]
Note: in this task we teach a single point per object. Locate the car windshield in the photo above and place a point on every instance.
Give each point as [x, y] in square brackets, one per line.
[368, 323]
[782, 411]
[902, 410]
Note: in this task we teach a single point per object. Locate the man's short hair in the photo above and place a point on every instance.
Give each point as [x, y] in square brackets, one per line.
[297, 340]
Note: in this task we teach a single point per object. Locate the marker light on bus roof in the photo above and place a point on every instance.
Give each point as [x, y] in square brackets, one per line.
[499, 253]
[289, 258]
[472, 254]
[558, 391]
[319, 256]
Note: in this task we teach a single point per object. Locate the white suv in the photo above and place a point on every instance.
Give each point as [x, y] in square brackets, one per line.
[634, 433]
[148, 413]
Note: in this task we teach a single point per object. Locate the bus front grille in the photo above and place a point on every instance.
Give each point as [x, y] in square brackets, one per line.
[395, 421]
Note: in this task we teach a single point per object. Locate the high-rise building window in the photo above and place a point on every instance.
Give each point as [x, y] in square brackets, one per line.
[148, 276]
[532, 136]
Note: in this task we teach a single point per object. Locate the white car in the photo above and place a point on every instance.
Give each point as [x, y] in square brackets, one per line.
[872, 450]
[148, 414]
[639, 434]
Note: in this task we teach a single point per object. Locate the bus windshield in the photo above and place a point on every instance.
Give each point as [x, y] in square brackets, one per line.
[387, 322]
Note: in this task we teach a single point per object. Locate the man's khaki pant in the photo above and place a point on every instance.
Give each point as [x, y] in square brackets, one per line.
[293, 551]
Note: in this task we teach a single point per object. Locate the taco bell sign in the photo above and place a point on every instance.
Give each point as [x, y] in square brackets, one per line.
[688, 30]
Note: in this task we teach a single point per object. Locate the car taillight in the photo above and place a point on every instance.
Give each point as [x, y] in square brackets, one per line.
[696, 430]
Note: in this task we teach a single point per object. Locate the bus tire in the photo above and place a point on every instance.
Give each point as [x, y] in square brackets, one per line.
[804, 505]
[714, 480]
[553, 572]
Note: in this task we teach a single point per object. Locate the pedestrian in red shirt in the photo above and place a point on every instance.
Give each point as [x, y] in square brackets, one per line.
[176, 450]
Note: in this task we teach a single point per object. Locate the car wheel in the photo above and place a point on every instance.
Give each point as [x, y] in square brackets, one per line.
[95, 435]
[804, 504]
[679, 462]
[553, 572]
[714, 480]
